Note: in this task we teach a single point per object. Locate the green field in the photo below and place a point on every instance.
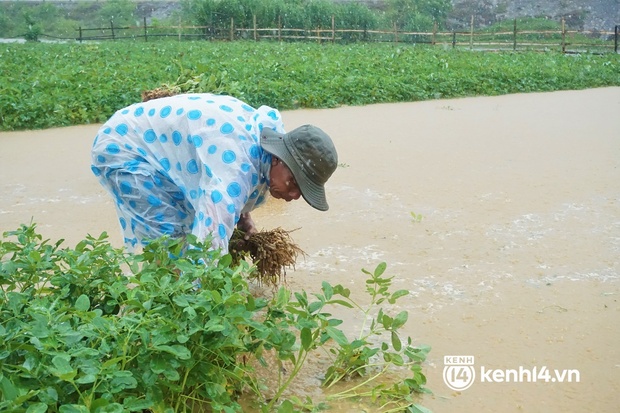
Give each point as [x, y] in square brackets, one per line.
[51, 85]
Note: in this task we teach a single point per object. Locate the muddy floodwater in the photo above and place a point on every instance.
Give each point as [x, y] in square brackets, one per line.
[501, 215]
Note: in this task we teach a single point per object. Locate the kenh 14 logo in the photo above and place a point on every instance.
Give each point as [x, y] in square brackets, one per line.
[458, 372]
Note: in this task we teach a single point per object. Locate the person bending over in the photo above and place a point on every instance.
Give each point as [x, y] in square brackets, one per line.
[200, 163]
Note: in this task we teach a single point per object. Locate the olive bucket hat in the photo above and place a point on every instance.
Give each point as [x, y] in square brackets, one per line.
[310, 155]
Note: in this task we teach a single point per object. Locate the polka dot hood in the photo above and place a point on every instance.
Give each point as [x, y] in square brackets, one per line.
[186, 163]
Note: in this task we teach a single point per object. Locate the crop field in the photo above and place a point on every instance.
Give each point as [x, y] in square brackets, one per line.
[52, 85]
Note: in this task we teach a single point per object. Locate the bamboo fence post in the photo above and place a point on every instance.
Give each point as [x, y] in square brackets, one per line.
[563, 36]
[514, 35]
[471, 33]
[307, 34]
[212, 28]
[395, 33]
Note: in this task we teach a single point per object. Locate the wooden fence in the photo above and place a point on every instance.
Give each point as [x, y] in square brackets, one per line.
[567, 41]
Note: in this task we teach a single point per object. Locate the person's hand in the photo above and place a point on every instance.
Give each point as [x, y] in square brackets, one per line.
[246, 224]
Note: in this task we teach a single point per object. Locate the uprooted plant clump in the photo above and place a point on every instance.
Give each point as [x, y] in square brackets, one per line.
[160, 92]
[272, 252]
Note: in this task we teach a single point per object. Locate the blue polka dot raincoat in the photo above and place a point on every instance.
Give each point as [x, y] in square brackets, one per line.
[184, 164]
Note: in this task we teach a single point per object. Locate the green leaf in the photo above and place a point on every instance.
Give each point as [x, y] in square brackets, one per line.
[400, 320]
[306, 338]
[301, 298]
[82, 303]
[286, 407]
[48, 396]
[340, 302]
[86, 379]
[282, 297]
[39, 327]
[339, 289]
[112, 408]
[34, 256]
[355, 344]
[416, 408]
[25, 397]
[9, 391]
[122, 382]
[158, 365]
[327, 290]
[112, 362]
[73, 408]
[177, 350]
[191, 313]
[171, 375]
[134, 404]
[98, 405]
[386, 321]
[396, 359]
[181, 301]
[315, 306]
[398, 294]
[396, 343]
[214, 326]
[63, 368]
[37, 408]
[380, 269]
[337, 335]
[251, 304]
[225, 261]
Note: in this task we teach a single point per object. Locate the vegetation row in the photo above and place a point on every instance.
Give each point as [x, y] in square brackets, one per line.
[90, 329]
[52, 85]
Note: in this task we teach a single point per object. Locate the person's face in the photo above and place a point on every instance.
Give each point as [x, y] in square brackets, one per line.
[282, 183]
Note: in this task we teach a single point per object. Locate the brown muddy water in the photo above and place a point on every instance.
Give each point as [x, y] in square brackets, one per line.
[501, 215]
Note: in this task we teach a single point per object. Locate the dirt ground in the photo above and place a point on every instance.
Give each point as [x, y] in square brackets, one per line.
[501, 215]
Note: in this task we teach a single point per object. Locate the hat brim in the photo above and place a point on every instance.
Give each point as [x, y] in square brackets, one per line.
[275, 143]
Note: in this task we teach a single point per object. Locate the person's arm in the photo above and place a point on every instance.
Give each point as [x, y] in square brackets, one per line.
[246, 224]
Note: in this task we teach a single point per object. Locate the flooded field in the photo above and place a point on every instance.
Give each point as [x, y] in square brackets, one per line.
[501, 215]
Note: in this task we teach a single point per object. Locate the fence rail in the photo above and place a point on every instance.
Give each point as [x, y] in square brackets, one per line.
[567, 41]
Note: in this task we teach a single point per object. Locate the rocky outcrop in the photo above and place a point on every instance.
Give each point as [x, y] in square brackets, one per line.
[600, 15]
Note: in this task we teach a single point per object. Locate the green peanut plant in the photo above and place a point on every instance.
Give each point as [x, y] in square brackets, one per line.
[177, 329]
